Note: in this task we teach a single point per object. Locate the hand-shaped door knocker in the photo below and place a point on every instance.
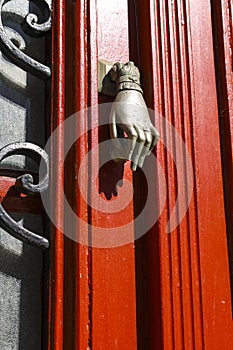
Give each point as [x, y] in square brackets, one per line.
[129, 115]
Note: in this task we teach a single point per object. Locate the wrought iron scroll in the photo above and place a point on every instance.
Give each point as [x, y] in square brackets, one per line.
[25, 184]
[32, 27]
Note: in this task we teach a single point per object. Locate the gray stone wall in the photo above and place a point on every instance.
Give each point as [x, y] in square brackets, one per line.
[20, 290]
[22, 118]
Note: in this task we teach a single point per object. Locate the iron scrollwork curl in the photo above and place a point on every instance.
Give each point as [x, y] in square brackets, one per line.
[32, 27]
[25, 184]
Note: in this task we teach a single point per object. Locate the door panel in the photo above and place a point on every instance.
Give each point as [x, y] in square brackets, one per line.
[195, 288]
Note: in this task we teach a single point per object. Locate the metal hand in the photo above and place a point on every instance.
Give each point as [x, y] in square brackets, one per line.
[129, 113]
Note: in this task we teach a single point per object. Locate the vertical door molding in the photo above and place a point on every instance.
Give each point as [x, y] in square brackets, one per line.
[176, 46]
[69, 276]
[56, 295]
[223, 45]
[92, 290]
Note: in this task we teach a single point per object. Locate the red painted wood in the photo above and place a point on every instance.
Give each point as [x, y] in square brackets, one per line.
[227, 20]
[82, 301]
[147, 248]
[15, 202]
[183, 285]
[223, 36]
[56, 301]
[69, 261]
[113, 293]
[176, 45]
[86, 270]
[112, 17]
[217, 312]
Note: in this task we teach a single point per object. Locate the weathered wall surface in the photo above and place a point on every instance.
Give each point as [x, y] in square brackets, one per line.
[21, 119]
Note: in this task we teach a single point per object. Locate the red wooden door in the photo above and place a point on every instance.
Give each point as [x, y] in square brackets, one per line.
[166, 290]
[172, 287]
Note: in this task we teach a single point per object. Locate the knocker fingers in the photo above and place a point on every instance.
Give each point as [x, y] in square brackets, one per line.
[123, 146]
[141, 140]
[113, 127]
[146, 147]
[132, 134]
[155, 138]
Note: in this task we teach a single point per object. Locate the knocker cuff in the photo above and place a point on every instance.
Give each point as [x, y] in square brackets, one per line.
[127, 85]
